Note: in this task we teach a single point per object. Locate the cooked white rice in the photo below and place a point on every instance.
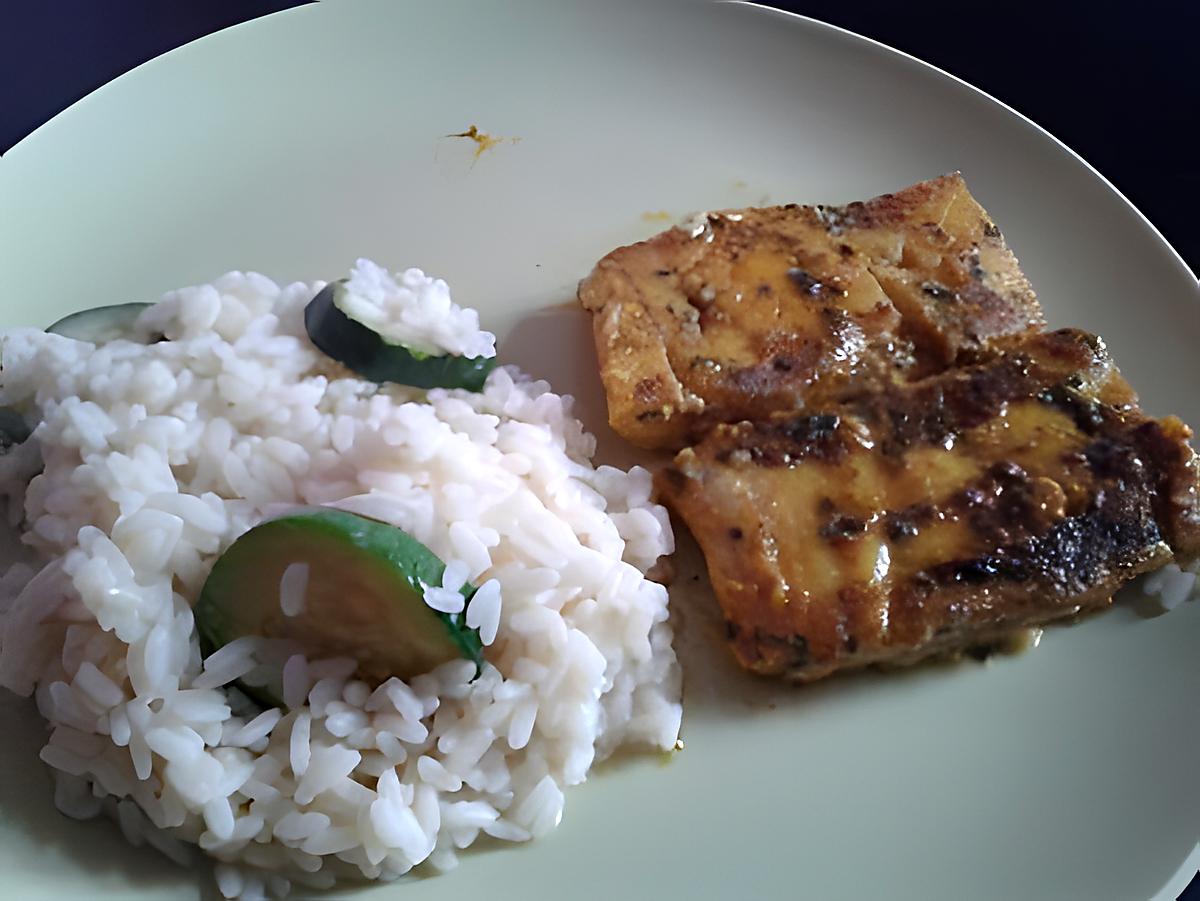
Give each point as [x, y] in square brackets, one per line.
[412, 309]
[156, 457]
[1171, 585]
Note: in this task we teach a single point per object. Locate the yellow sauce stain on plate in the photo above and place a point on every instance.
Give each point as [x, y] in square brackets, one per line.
[657, 216]
[483, 141]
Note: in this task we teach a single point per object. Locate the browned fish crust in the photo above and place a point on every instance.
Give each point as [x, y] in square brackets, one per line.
[937, 515]
[891, 460]
[789, 308]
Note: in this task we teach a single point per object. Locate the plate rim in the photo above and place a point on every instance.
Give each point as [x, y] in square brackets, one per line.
[21, 147]
[45, 131]
[1015, 113]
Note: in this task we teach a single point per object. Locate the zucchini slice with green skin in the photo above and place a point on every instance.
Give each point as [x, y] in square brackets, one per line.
[364, 596]
[100, 324]
[377, 359]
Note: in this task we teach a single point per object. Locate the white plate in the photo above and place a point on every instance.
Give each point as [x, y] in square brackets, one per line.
[294, 143]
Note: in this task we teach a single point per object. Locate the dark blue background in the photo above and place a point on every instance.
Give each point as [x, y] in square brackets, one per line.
[1118, 83]
[1119, 87]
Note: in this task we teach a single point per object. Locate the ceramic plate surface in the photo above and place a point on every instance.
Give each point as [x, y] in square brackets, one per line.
[295, 143]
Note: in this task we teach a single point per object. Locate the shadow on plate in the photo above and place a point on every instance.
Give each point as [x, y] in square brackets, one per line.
[555, 344]
[95, 847]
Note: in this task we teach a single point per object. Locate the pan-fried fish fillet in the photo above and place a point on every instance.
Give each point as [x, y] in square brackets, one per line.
[789, 308]
[937, 515]
[891, 459]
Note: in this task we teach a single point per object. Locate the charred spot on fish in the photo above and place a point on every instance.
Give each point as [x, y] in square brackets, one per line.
[843, 527]
[805, 282]
[974, 264]
[1007, 471]
[788, 442]
[846, 250]
[1118, 531]
[812, 429]
[1086, 412]
[921, 583]
[836, 219]
[792, 648]
[1109, 459]
[975, 571]
[900, 527]
[973, 496]
[782, 364]
[763, 290]
[1094, 343]
[850, 643]
[799, 648]
[762, 378]
[678, 481]
[938, 413]
[937, 291]
[736, 534]
[965, 572]
[1003, 507]
[663, 273]
[646, 390]
[990, 229]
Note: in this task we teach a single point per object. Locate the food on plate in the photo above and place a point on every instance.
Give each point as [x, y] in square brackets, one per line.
[789, 308]
[100, 324]
[404, 330]
[339, 585]
[937, 515]
[889, 458]
[316, 624]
